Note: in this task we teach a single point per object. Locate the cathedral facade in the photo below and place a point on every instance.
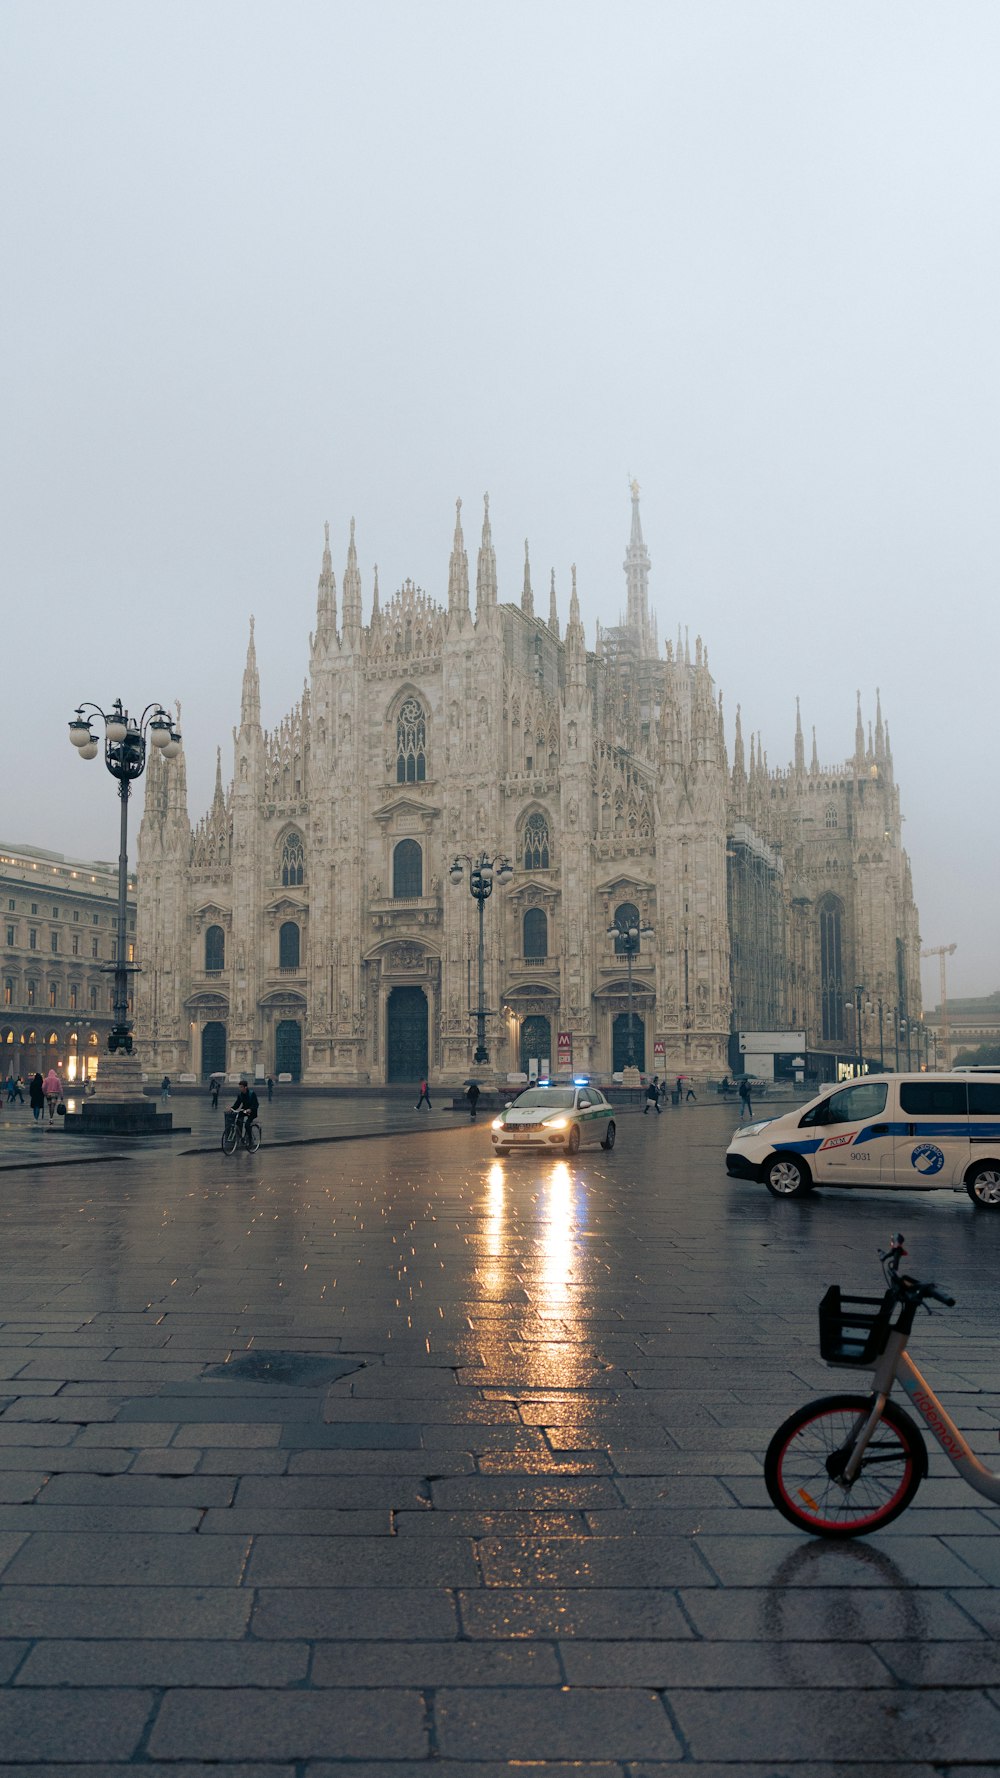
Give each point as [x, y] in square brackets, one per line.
[307, 924]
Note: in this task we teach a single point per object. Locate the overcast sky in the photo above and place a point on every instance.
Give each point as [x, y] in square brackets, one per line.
[267, 265]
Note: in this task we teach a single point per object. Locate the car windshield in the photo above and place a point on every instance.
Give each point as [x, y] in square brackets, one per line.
[560, 1098]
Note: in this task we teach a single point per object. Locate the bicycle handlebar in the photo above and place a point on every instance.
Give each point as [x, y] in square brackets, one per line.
[909, 1287]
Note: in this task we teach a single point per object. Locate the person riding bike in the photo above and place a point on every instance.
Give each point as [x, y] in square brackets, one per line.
[246, 1106]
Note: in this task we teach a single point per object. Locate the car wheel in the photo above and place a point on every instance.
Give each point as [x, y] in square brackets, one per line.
[787, 1177]
[573, 1139]
[982, 1183]
[609, 1136]
[501, 1151]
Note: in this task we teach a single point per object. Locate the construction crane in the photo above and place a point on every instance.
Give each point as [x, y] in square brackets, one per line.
[943, 951]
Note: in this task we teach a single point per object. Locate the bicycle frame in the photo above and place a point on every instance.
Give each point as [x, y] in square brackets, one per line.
[896, 1365]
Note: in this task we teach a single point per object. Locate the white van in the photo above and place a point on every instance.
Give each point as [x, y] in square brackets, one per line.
[915, 1131]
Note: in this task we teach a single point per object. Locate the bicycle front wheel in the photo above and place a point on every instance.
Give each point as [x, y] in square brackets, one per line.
[229, 1139]
[253, 1136]
[806, 1458]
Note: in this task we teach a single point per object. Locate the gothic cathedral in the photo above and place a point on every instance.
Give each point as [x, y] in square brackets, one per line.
[307, 926]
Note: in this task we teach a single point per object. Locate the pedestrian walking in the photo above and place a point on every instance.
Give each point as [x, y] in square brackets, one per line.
[18, 1088]
[425, 1097]
[690, 1094]
[52, 1089]
[472, 1094]
[10, 1084]
[36, 1096]
[213, 1087]
[746, 1109]
[270, 1089]
[165, 1088]
[652, 1095]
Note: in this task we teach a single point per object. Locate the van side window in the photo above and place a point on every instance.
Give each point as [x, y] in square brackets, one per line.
[933, 1098]
[984, 1098]
[850, 1106]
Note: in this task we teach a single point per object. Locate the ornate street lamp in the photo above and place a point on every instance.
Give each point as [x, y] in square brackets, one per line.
[125, 739]
[628, 936]
[483, 871]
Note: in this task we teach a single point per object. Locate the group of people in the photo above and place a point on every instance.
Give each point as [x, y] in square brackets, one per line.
[43, 1090]
[657, 1089]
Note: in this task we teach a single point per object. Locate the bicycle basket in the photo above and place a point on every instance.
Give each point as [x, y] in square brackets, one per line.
[854, 1329]
[230, 1119]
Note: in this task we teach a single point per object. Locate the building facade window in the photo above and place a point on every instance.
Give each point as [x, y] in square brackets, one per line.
[832, 819]
[52, 994]
[289, 945]
[10, 935]
[831, 969]
[536, 843]
[93, 999]
[536, 933]
[55, 941]
[31, 993]
[94, 948]
[72, 998]
[32, 939]
[626, 914]
[76, 944]
[407, 870]
[293, 861]
[8, 991]
[411, 744]
[215, 948]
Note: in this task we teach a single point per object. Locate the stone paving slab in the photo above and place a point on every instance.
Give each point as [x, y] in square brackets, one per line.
[525, 1525]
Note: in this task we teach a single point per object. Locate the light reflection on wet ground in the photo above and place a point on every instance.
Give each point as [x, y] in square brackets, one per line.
[526, 1522]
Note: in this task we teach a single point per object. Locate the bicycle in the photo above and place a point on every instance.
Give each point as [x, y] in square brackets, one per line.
[240, 1133]
[848, 1464]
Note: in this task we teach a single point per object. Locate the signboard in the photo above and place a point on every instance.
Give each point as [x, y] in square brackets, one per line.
[564, 1049]
[660, 1048]
[771, 1043]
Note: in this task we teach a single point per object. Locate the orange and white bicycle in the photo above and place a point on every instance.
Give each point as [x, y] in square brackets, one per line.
[848, 1464]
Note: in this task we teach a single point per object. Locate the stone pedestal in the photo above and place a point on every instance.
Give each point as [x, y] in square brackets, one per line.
[120, 1107]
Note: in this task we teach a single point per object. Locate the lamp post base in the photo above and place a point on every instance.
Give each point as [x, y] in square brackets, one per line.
[120, 1107]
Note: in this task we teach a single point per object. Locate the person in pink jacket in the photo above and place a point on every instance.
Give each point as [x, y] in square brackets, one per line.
[52, 1088]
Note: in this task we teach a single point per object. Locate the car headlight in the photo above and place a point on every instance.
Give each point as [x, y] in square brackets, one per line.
[556, 1123]
[751, 1129]
[497, 1123]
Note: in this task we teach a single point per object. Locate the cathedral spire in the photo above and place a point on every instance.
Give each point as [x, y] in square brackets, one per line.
[553, 607]
[458, 569]
[637, 566]
[879, 726]
[576, 642]
[376, 606]
[859, 737]
[527, 596]
[352, 588]
[739, 762]
[486, 566]
[814, 762]
[250, 703]
[800, 746]
[218, 801]
[326, 594]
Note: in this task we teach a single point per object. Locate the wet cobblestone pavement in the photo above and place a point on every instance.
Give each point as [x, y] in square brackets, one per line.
[383, 1456]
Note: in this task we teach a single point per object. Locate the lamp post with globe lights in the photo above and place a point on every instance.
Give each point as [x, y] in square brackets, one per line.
[482, 871]
[125, 747]
[628, 936]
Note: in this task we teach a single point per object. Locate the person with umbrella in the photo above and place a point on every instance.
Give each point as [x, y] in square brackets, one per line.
[472, 1094]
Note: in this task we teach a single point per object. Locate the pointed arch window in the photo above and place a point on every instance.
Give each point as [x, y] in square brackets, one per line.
[536, 843]
[831, 969]
[293, 861]
[289, 948]
[215, 949]
[411, 743]
[536, 933]
[626, 916]
[407, 871]
[832, 819]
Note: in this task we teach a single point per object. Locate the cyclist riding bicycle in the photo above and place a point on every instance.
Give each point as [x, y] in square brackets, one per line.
[246, 1106]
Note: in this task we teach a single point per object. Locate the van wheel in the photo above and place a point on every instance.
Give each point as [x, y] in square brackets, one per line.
[787, 1177]
[982, 1183]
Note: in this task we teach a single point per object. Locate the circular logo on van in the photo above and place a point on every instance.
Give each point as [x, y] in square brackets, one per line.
[927, 1158]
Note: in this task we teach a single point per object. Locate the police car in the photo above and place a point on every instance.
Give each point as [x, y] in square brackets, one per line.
[555, 1116]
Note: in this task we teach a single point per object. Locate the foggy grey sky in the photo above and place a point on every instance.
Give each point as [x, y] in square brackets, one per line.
[267, 265]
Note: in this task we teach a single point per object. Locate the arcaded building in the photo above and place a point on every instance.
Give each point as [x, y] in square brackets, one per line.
[306, 924]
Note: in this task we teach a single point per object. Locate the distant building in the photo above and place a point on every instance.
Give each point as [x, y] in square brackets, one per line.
[60, 920]
[306, 924]
[970, 1023]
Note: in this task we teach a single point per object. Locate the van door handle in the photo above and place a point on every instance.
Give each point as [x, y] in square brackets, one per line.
[880, 1129]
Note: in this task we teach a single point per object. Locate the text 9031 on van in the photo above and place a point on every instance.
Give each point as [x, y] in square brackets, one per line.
[915, 1132]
